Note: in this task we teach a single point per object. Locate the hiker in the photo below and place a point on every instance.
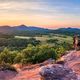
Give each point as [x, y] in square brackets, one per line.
[78, 42]
[75, 42]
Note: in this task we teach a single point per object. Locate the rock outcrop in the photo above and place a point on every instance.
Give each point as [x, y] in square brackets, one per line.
[7, 74]
[67, 69]
[72, 60]
[57, 72]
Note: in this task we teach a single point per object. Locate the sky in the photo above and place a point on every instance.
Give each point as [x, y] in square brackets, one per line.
[43, 13]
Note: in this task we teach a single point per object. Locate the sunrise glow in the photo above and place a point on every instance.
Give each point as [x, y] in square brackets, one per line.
[44, 13]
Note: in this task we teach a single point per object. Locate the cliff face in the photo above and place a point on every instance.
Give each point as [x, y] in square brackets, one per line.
[72, 60]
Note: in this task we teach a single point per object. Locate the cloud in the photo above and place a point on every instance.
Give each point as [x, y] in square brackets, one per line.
[39, 10]
[39, 6]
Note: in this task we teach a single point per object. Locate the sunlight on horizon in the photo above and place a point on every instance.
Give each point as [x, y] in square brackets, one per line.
[44, 13]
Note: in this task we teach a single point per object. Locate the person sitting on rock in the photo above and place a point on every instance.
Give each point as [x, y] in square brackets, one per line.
[75, 42]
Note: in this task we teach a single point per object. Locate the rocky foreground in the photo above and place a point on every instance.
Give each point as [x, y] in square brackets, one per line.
[66, 68]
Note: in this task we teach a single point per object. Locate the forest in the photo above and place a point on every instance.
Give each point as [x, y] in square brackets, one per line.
[32, 50]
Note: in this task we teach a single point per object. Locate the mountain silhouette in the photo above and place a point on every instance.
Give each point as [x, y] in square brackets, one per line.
[32, 29]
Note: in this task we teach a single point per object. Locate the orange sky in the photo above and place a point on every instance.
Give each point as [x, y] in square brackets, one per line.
[40, 23]
[42, 13]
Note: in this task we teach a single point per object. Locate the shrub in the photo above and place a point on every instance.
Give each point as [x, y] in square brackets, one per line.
[32, 54]
[59, 50]
[52, 41]
[18, 58]
[7, 56]
[38, 54]
[7, 66]
[67, 46]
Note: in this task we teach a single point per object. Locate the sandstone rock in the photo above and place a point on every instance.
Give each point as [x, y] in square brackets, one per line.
[72, 60]
[68, 68]
[57, 72]
[7, 74]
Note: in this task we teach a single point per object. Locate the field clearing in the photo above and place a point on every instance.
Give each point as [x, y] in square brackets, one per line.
[44, 38]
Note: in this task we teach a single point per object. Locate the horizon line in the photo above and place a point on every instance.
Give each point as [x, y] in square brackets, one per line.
[52, 27]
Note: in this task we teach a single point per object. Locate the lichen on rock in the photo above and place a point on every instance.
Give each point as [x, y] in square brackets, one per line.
[57, 72]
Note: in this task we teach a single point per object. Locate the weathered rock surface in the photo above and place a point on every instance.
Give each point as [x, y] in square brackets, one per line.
[72, 60]
[7, 74]
[57, 72]
[70, 70]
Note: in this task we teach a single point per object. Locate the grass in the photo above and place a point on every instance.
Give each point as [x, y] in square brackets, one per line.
[43, 38]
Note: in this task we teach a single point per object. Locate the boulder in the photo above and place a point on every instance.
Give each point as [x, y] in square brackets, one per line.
[57, 72]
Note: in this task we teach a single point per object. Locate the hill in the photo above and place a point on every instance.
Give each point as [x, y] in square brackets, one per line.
[67, 31]
[24, 30]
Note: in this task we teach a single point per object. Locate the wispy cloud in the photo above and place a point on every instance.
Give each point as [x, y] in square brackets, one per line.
[59, 11]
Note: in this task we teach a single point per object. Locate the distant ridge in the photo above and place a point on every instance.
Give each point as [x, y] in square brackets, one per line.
[23, 30]
[67, 31]
[24, 27]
